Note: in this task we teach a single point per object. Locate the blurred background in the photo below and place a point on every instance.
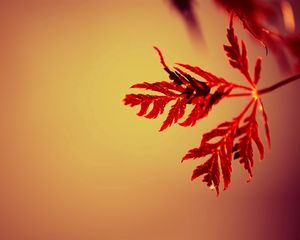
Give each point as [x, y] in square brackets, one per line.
[75, 163]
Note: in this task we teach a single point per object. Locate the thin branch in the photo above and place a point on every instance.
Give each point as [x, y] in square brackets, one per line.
[278, 85]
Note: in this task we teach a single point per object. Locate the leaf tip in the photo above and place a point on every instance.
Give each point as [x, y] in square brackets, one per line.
[162, 61]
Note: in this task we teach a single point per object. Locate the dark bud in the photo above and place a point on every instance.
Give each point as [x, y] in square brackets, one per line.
[189, 92]
[201, 88]
[238, 132]
[237, 155]
[173, 76]
[235, 147]
[205, 88]
[215, 97]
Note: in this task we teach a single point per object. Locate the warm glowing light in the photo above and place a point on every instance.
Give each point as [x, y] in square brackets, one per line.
[254, 94]
[261, 108]
[212, 187]
[288, 16]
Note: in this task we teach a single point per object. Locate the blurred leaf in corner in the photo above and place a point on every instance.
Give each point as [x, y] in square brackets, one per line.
[186, 8]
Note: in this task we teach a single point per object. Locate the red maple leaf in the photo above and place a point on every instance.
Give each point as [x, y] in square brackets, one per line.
[183, 89]
[230, 140]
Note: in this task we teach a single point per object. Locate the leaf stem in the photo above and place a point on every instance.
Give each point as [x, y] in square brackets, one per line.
[241, 86]
[239, 117]
[278, 85]
[268, 89]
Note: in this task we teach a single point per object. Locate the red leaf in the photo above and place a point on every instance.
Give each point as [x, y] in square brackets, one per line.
[249, 133]
[211, 170]
[211, 79]
[258, 142]
[228, 141]
[266, 125]
[162, 60]
[145, 101]
[196, 114]
[225, 155]
[237, 58]
[159, 105]
[203, 106]
[257, 70]
[167, 88]
[183, 88]
[254, 15]
[176, 112]
[220, 151]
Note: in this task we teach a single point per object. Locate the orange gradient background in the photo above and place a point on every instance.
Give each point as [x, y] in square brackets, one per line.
[77, 164]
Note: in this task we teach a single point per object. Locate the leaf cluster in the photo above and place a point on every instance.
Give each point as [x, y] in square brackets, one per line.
[203, 90]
